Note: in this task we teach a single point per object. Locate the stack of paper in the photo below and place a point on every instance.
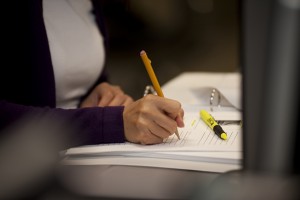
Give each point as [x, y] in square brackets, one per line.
[198, 149]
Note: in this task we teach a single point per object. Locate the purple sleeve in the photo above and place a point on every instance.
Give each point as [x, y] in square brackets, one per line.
[93, 125]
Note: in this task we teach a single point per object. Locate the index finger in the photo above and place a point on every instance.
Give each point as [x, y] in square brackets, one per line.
[171, 107]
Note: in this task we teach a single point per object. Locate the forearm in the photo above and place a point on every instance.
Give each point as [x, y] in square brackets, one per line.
[90, 125]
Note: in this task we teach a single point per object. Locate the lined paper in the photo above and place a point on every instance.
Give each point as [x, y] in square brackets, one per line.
[197, 133]
[195, 136]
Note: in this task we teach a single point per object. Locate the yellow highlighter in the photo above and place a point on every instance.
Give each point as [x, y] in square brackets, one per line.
[210, 121]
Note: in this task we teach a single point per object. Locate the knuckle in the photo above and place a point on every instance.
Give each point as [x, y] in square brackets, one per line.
[143, 109]
[119, 96]
[145, 112]
[109, 94]
[117, 87]
[140, 124]
[102, 85]
[177, 105]
[117, 91]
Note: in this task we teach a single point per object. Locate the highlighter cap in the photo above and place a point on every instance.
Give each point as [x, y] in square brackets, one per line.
[220, 132]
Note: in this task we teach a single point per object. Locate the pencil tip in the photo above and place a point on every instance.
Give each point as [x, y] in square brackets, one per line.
[142, 52]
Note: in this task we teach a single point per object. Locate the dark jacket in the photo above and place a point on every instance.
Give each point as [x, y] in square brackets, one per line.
[27, 79]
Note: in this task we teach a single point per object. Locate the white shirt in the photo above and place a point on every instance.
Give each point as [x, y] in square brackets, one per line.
[76, 48]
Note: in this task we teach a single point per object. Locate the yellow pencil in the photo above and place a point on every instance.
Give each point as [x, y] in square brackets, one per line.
[155, 83]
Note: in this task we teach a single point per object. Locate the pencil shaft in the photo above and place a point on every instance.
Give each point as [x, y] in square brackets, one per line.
[151, 74]
[155, 83]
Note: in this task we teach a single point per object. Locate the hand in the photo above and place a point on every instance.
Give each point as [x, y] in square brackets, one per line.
[106, 95]
[152, 119]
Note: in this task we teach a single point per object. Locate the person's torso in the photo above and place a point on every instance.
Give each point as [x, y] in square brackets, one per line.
[76, 46]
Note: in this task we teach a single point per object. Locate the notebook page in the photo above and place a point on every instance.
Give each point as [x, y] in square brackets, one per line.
[195, 136]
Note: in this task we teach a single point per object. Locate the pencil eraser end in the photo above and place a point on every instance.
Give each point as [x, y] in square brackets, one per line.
[142, 52]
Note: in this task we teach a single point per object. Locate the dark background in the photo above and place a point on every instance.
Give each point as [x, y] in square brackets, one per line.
[178, 36]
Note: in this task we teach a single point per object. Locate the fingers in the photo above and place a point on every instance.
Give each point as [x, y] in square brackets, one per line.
[166, 123]
[179, 119]
[159, 131]
[171, 108]
[151, 139]
[148, 135]
[90, 101]
[106, 95]
[110, 95]
[115, 100]
[127, 101]
[174, 110]
[152, 119]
